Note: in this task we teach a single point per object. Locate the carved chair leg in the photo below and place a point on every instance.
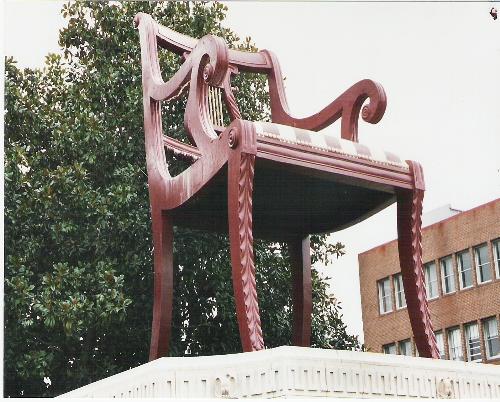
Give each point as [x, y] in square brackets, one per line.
[409, 205]
[240, 189]
[163, 285]
[300, 256]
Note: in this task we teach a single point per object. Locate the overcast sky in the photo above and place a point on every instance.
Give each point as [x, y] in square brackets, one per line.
[438, 62]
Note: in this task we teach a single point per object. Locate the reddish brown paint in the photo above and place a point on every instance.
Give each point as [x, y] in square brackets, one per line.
[410, 260]
[300, 255]
[236, 150]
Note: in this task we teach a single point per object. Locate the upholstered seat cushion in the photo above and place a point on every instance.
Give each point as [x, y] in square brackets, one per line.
[329, 143]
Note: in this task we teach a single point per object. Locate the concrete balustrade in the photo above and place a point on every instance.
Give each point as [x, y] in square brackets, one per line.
[290, 371]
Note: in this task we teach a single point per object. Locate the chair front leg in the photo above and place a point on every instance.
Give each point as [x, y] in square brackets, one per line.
[409, 215]
[240, 190]
[163, 238]
[300, 256]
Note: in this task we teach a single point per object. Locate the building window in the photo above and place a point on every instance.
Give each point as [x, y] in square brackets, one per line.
[447, 275]
[482, 263]
[389, 349]
[473, 342]
[464, 269]
[454, 344]
[384, 295]
[490, 328]
[431, 281]
[440, 344]
[400, 291]
[405, 347]
[496, 256]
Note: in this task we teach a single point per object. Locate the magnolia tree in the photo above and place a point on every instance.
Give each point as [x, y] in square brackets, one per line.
[78, 248]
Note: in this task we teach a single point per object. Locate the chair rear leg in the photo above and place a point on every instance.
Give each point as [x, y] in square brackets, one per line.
[409, 205]
[300, 256]
[240, 189]
[163, 285]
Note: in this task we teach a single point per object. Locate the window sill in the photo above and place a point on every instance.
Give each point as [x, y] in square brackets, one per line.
[493, 358]
[449, 294]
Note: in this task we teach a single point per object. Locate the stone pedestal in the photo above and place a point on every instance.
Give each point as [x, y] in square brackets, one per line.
[290, 371]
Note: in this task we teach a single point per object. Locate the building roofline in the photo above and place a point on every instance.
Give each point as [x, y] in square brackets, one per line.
[436, 223]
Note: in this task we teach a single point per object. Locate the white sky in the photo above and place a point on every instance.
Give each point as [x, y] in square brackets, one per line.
[438, 62]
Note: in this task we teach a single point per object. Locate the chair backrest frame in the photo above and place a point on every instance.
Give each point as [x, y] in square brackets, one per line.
[210, 63]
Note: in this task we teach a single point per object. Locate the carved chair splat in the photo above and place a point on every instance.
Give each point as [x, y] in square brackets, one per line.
[306, 182]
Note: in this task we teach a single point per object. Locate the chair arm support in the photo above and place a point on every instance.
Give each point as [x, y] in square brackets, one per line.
[347, 106]
[181, 150]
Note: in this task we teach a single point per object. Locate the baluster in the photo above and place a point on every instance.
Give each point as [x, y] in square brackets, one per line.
[211, 104]
[221, 114]
[215, 106]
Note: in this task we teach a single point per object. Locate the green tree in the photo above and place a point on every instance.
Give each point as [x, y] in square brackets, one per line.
[78, 249]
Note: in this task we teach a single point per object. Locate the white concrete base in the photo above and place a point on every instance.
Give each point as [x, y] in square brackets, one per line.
[290, 371]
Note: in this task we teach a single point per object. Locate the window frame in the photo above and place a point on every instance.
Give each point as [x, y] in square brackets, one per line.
[406, 342]
[443, 277]
[477, 341]
[487, 337]
[496, 256]
[479, 266]
[386, 347]
[460, 271]
[416, 350]
[399, 290]
[380, 288]
[428, 281]
[440, 344]
[452, 347]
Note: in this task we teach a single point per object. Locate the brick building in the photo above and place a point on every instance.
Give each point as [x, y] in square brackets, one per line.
[461, 257]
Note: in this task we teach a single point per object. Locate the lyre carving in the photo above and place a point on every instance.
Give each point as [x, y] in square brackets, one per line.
[215, 106]
[223, 97]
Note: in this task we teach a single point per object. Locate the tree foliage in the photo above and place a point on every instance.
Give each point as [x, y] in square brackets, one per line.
[78, 249]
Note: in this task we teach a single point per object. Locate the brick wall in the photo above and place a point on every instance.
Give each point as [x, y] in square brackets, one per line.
[459, 232]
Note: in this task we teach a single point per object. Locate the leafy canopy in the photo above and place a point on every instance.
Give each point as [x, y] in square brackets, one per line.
[78, 249]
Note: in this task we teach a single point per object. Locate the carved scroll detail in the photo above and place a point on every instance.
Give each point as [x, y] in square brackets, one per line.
[245, 189]
[232, 106]
[347, 106]
[416, 235]
[444, 389]
[410, 252]
[229, 98]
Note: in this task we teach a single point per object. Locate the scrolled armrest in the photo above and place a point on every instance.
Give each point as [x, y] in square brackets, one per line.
[210, 53]
[347, 106]
[207, 63]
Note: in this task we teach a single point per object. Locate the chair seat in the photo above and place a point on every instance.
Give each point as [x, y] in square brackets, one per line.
[328, 142]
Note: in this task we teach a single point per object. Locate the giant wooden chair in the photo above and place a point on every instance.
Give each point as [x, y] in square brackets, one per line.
[280, 181]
